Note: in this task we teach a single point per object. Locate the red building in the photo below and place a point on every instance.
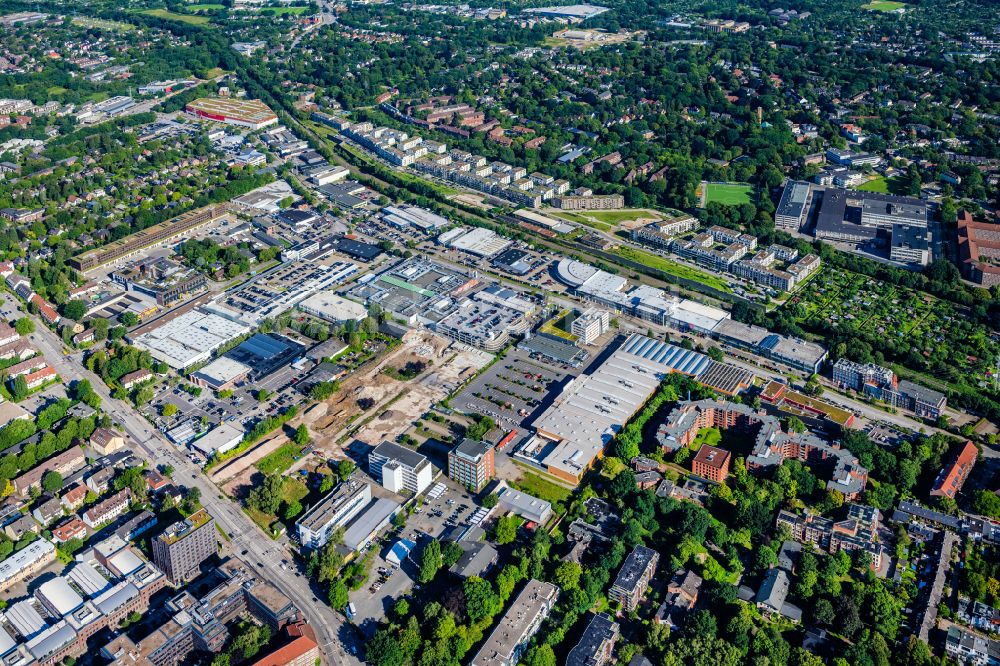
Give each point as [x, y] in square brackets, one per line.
[951, 479]
[711, 463]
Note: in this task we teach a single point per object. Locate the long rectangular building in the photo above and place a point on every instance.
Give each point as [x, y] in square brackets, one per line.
[146, 238]
[511, 635]
[336, 509]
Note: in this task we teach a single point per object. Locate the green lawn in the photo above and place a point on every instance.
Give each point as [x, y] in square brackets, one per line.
[280, 11]
[670, 267]
[616, 216]
[293, 490]
[728, 194]
[55, 91]
[204, 8]
[878, 184]
[710, 436]
[884, 5]
[584, 220]
[280, 459]
[542, 488]
[174, 16]
[90, 22]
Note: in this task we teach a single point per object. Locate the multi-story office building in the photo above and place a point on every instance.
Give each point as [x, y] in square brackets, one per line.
[335, 510]
[181, 549]
[592, 202]
[510, 637]
[909, 244]
[793, 206]
[597, 643]
[399, 468]
[634, 577]
[864, 377]
[590, 325]
[471, 464]
[884, 210]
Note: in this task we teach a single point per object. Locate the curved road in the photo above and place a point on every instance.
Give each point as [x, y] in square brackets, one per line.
[264, 555]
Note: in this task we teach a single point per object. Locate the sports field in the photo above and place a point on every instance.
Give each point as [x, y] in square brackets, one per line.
[174, 16]
[90, 22]
[674, 268]
[203, 8]
[884, 5]
[728, 194]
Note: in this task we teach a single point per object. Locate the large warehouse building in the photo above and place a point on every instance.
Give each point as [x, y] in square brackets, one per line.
[250, 113]
[592, 409]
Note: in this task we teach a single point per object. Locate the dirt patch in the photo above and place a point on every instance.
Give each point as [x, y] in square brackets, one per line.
[448, 366]
[240, 463]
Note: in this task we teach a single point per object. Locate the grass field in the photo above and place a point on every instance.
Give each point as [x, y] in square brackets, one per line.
[280, 459]
[884, 6]
[174, 16]
[728, 194]
[204, 8]
[88, 22]
[674, 268]
[584, 220]
[543, 488]
[55, 91]
[617, 216]
[214, 72]
[281, 11]
[878, 184]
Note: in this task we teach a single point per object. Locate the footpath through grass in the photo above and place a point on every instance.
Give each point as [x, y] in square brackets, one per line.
[671, 267]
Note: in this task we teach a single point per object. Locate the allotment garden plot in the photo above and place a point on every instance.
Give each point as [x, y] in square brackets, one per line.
[935, 329]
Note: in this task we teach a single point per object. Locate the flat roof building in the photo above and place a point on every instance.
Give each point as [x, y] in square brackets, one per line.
[634, 577]
[250, 113]
[510, 637]
[343, 503]
[597, 643]
[333, 308]
[793, 206]
[181, 549]
[471, 464]
[399, 468]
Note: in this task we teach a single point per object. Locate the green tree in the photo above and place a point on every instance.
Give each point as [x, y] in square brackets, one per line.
[986, 503]
[24, 326]
[540, 655]
[52, 481]
[795, 424]
[169, 409]
[128, 319]
[480, 600]
[567, 575]
[384, 649]
[19, 388]
[490, 501]
[430, 562]
[506, 530]
[345, 468]
[302, 435]
[75, 309]
[338, 595]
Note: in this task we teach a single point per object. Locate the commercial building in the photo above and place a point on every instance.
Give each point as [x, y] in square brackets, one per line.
[524, 505]
[343, 503]
[200, 624]
[909, 244]
[222, 373]
[219, 439]
[477, 241]
[794, 205]
[858, 532]
[590, 325]
[951, 479]
[641, 301]
[633, 578]
[571, 13]
[471, 464]
[399, 468]
[510, 637]
[881, 383]
[597, 644]
[147, 238]
[794, 352]
[250, 113]
[488, 319]
[181, 549]
[573, 432]
[882, 211]
[366, 526]
[711, 463]
[189, 338]
[333, 308]
[405, 217]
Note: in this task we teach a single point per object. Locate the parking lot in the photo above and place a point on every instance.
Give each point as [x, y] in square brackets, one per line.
[387, 582]
[515, 389]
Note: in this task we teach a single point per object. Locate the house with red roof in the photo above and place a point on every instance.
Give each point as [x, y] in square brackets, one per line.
[951, 479]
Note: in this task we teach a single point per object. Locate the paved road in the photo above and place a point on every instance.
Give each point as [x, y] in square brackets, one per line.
[263, 555]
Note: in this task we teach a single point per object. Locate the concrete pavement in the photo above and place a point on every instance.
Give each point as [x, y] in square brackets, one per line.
[264, 555]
